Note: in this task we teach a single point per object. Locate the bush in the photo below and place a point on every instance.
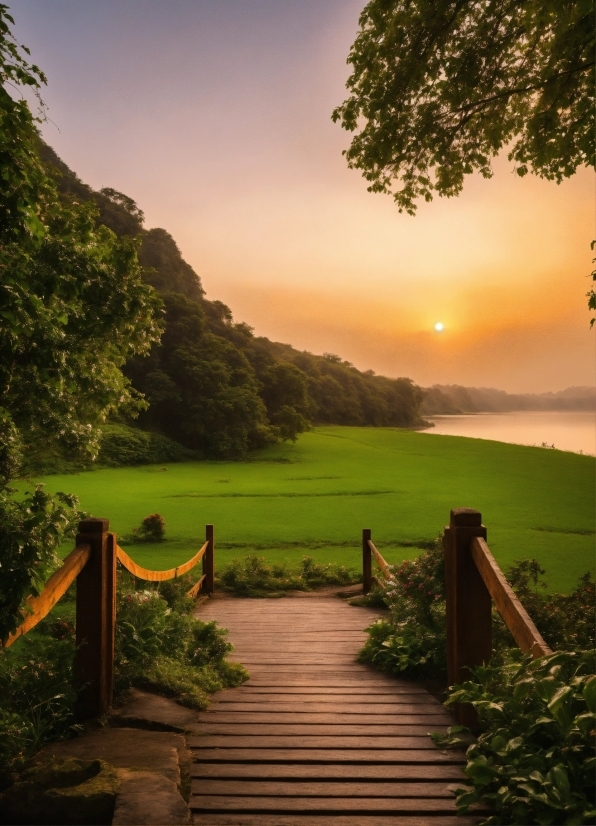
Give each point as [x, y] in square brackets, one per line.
[533, 760]
[252, 577]
[412, 640]
[153, 529]
[122, 445]
[37, 694]
[168, 650]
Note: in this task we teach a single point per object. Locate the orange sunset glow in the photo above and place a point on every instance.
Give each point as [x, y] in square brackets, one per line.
[216, 118]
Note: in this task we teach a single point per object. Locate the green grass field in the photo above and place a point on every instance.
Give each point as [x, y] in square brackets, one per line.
[315, 496]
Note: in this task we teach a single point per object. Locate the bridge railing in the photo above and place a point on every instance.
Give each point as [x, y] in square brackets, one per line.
[473, 582]
[93, 564]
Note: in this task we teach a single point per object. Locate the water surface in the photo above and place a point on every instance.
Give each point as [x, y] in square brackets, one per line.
[575, 431]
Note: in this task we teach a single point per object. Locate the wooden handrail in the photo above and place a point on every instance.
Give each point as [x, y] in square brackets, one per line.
[55, 588]
[515, 616]
[382, 563]
[158, 576]
[192, 592]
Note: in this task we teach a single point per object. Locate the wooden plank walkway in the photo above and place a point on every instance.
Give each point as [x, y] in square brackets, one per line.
[315, 737]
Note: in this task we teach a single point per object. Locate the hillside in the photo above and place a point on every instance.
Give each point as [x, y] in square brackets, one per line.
[441, 399]
[213, 385]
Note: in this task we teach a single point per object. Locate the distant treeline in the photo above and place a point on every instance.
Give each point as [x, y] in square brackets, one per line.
[453, 398]
[211, 384]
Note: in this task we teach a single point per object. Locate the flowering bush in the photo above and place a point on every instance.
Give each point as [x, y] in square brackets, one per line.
[412, 639]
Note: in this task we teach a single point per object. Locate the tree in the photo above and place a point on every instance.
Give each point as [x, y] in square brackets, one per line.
[73, 309]
[440, 87]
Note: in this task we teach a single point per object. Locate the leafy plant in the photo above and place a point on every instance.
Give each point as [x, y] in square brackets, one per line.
[251, 576]
[168, 650]
[32, 528]
[533, 760]
[37, 695]
[412, 639]
[152, 529]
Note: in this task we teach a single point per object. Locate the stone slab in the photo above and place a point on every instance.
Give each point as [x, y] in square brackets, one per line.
[150, 799]
[125, 748]
[145, 708]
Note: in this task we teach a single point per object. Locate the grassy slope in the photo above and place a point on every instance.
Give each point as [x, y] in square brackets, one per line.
[336, 480]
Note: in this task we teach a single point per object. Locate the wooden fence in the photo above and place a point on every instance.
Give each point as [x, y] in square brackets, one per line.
[93, 564]
[473, 581]
[472, 576]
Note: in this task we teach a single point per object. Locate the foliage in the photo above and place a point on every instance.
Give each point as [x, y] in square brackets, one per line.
[412, 639]
[37, 693]
[566, 621]
[119, 445]
[201, 389]
[591, 295]
[32, 528]
[151, 529]
[73, 308]
[533, 760]
[167, 650]
[438, 89]
[252, 577]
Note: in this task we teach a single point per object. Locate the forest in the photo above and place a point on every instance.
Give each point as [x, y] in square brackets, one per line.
[210, 383]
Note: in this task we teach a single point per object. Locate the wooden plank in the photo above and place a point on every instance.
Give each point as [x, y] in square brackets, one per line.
[516, 618]
[247, 696]
[440, 718]
[240, 819]
[239, 755]
[272, 788]
[331, 805]
[329, 771]
[54, 589]
[339, 708]
[330, 688]
[311, 729]
[309, 741]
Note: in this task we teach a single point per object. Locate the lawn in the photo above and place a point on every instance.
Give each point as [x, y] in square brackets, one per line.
[315, 496]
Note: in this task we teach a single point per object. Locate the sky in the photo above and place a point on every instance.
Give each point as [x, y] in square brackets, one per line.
[215, 117]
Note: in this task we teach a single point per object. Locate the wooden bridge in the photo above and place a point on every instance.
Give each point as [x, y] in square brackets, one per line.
[313, 735]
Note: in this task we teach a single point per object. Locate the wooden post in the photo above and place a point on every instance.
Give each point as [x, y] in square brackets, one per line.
[95, 619]
[209, 561]
[469, 631]
[366, 561]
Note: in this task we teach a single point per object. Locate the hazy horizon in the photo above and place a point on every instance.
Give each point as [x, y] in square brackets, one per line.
[215, 117]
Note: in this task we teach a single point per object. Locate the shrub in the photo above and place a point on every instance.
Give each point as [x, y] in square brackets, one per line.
[251, 576]
[37, 694]
[153, 529]
[412, 640]
[170, 651]
[533, 760]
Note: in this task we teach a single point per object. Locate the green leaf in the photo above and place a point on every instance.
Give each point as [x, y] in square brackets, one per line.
[589, 693]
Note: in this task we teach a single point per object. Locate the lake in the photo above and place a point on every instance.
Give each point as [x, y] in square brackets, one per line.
[575, 431]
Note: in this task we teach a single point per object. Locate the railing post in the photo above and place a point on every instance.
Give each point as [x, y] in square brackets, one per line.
[366, 561]
[96, 619]
[209, 561]
[468, 603]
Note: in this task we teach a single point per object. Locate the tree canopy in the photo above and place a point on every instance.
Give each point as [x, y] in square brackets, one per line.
[440, 87]
[73, 309]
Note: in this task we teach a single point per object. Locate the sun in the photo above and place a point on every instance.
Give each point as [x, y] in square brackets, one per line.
[439, 326]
